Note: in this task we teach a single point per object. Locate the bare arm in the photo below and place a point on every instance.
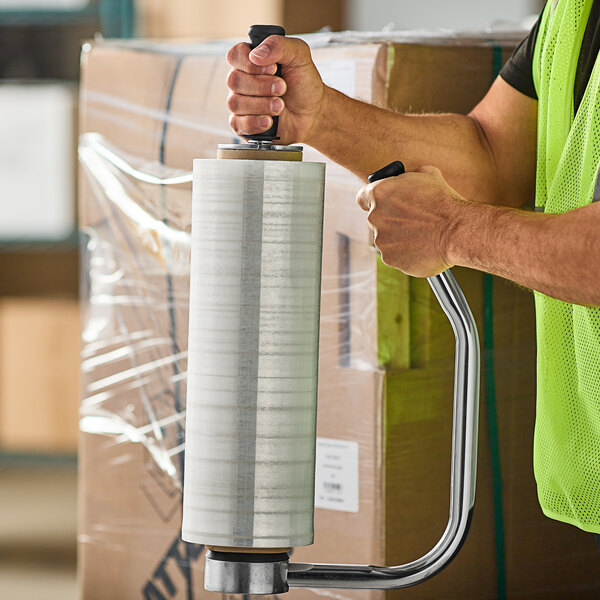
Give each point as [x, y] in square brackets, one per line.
[423, 226]
[430, 219]
[488, 156]
[558, 255]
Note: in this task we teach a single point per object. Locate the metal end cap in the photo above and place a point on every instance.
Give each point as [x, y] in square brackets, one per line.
[242, 573]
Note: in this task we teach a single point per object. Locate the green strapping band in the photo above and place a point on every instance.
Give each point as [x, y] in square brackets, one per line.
[490, 401]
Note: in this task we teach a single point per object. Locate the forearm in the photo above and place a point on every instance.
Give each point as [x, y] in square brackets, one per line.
[363, 138]
[558, 255]
[488, 155]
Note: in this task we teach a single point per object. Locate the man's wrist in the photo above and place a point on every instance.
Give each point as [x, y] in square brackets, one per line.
[473, 235]
[322, 124]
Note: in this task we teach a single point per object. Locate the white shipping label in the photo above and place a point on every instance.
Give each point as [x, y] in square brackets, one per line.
[336, 475]
[339, 74]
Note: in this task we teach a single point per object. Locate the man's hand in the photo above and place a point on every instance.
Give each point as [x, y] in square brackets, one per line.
[412, 217]
[257, 94]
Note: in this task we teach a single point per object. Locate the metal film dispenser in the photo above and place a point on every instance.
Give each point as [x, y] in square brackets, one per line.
[257, 214]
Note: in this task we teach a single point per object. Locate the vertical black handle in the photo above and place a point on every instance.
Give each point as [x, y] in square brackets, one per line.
[392, 170]
[257, 35]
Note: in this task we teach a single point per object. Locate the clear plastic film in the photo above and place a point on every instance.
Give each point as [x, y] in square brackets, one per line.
[253, 353]
[386, 351]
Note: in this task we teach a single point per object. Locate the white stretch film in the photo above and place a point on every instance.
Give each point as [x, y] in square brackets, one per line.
[253, 353]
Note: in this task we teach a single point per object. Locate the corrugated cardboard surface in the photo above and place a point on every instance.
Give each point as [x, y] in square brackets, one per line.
[196, 122]
[39, 382]
[158, 107]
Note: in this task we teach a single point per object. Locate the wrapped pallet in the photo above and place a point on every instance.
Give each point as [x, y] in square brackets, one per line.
[386, 352]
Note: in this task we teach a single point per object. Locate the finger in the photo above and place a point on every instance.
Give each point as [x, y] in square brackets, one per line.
[245, 125]
[254, 105]
[373, 193]
[237, 57]
[364, 198]
[255, 85]
[376, 235]
[283, 50]
[374, 221]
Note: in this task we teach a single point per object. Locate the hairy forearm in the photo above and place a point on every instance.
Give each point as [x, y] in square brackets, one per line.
[363, 138]
[558, 255]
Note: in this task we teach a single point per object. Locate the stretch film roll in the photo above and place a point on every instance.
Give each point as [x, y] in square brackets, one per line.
[253, 353]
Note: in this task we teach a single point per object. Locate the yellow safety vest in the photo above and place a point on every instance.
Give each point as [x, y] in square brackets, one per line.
[567, 432]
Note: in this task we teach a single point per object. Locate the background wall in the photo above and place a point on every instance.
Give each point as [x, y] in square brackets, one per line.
[455, 14]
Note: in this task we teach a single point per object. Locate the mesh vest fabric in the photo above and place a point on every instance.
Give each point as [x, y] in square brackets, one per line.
[567, 432]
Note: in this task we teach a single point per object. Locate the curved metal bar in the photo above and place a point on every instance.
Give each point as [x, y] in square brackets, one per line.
[463, 468]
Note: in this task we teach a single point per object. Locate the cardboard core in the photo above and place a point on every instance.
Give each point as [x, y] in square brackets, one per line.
[254, 154]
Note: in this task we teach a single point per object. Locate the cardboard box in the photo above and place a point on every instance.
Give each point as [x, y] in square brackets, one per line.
[386, 352]
[39, 374]
[203, 19]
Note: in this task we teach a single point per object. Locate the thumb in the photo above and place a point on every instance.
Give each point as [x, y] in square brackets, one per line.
[283, 50]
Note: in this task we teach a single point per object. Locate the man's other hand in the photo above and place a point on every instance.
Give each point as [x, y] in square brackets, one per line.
[412, 217]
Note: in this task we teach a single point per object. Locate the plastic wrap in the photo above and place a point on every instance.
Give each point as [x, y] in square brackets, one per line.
[251, 408]
[386, 350]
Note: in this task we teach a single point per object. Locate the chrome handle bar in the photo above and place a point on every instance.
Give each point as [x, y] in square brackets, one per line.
[463, 468]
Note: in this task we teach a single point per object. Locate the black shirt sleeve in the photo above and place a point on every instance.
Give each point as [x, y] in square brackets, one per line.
[518, 71]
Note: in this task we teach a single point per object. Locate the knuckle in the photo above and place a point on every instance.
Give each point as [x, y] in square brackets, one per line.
[274, 41]
[373, 191]
[385, 259]
[377, 239]
[231, 54]
[234, 123]
[379, 193]
[302, 48]
[302, 44]
[232, 79]
[233, 102]
[237, 52]
[279, 45]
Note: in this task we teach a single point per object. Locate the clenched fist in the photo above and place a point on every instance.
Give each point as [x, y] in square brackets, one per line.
[413, 217]
[256, 94]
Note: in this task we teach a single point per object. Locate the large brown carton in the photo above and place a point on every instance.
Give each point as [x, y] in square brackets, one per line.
[386, 353]
[39, 374]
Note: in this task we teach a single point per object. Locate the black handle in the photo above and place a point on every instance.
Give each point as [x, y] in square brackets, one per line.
[257, 35]
[392, 170]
